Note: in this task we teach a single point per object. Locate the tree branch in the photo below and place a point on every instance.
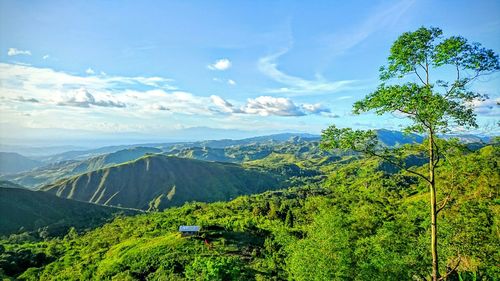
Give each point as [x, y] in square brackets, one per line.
[452, 270]
[388, 159]
[418, 75]
[422, 66]
[445, 202]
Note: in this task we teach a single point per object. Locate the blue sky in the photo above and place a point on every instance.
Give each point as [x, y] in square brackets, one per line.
[124, 71]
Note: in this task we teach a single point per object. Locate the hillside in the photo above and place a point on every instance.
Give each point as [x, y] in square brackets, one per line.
[25, 210]
[359, 224]
[11, 162]
[52, 172]
[158, 181]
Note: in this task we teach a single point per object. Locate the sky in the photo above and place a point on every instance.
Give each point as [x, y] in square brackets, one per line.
[111, 72]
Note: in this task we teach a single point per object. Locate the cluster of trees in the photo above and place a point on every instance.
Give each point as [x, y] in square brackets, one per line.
[433, 106]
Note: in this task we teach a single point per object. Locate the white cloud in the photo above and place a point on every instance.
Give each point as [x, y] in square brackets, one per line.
[40, 78]
[221, 64]
[160, 107]
[46, 57]
[54, 89]
[221, 103]
[269, 67]
[16, 52]
[228, 81]
[60, 100]
[90, 71]
[267, 106]
[488, 107]
[83, 98]
[316, 108]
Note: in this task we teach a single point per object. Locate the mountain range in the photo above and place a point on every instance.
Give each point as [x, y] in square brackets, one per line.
[155, 182]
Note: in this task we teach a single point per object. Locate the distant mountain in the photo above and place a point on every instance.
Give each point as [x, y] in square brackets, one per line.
[388, 137]
[276, 138]
[156, 182]
[36, 152]
[27, 210]
[55, 171]
[468, 139]
[84, 154]
[11, 162]
[254, 149]
[221, 143]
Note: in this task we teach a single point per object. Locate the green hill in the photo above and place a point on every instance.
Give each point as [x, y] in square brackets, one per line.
[158, 181]
[52, 172]
[26, 210]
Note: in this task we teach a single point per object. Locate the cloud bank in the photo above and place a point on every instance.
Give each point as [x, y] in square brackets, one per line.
[269, 106]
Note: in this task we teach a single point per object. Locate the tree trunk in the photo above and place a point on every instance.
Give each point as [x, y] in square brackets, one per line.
[432, 186]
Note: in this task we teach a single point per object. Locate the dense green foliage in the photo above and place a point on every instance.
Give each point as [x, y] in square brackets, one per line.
[360, 223]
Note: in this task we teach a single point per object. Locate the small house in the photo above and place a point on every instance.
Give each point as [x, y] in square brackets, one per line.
[188, 230]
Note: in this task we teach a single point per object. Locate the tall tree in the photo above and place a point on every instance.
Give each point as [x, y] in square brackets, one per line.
[434, 106]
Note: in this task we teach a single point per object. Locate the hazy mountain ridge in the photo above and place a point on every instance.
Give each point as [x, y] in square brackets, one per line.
[301, 146]
[11, 162]
[55, 171]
